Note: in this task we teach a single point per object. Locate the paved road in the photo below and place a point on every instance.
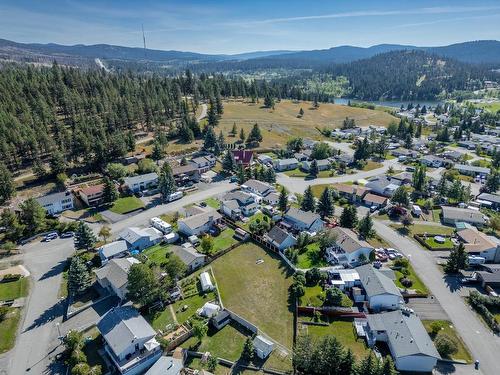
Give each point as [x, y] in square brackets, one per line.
[483, 345]
[37, 341]
[298, 185]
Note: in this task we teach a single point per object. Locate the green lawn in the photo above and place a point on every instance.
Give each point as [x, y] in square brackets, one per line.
[195, 364]
[193, 303]
[258, 215]
[159, 320]
[126, 205]
[311, 258]
[418, 285]
[157, 253]
[448, 329]
[434, 245]
[377, 241]
[224, 240]
[14, 289]
[301, 173]
[212, 202]
[8, 329]
[429, 229]
[258, 292]
[226, 343]
[311, 296]
[371, 165]
[344, 331]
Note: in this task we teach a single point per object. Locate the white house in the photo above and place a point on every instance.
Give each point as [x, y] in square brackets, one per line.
[409, 343]
[280, 238]
[206, 282]
[453, 215]
[204, 163]
[257, 187]
[141, 238]
[381, 292]
[323, 165]
[348, 248]
[189, 256]
[199, 223]
[116, 249]
[141, 182]
[286, 164]
[114, 275]
[237, 203]
[130, 341]
[56, 202]
[303, 220]
[262, 346]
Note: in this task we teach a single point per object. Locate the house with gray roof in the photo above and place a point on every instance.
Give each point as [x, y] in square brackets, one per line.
[380, 291]
[472, 170]
[433, 161]
[453, 215]
[490, 200]
[130, 341]
[204, 163]
[383, 185]
[285, 164]
[257, 187]
[141, 182]
[199, 223]
[114, 275]
[409, 343]
[348, 249]
[189, 256]
[237, 203]
[303, 220]
[56, 202]
[167, 365]
[115, 249]
[323, 165]
[280, 238]
[141, 238]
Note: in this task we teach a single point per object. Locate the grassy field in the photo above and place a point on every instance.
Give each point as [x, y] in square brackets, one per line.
[418, 285]
[125, 205]
[14, 289]
[448, 329]
[226, 343]
[371, 165]
[212, 202]
[311, 296]
[492, 107]
[157, 253]
[311, 258]
[434, 245]
[258, 292]
[344, 331]
[8, 329]
[224, 240]
[280, 124]
[258, 215]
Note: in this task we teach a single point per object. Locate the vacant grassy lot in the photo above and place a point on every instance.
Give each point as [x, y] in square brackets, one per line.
[371, 165]
[226, 343]
[448, 329]
[14, 289]
[8, 329]
[311, 258]
[258, 292]
[343, 330]
[125, 205]
[280, 124]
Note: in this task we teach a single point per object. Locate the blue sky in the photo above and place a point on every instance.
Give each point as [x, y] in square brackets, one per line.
[239, 26]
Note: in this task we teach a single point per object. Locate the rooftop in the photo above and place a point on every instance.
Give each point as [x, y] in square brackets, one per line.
[375, 282]
[305, 217]
[349, 241]
[130, 181]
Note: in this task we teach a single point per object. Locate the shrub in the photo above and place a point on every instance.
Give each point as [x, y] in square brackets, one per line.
[401, 263]
[407, 283]
[445, 345]
[436, 327]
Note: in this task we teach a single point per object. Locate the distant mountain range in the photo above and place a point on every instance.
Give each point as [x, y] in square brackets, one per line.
[476, 52]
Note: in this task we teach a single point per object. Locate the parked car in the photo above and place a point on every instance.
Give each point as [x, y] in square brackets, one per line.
[50, 236]
[67, 234]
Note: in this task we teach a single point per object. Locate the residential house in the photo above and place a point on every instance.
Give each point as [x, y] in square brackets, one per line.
[168, 365]
[380, 290]
[344, 158]
[409, 343]
[114, 275]
[262, 346]
[265, 159]
[92, 195]
[141, 182]
[433, 161]
[480, 244]
[349, 249]
[404, 153]
[374, 200]
[489, 200]
[186, 173]
[262, 189]
[471, 170]
[141, 238]
[199, 223]
[469, 145]
[242, 157]
[272, 198]
[303, 220]
[404, 178]
[453, 155]
[286, 164]
[488, 276]
[56, 202]
[452, 215]
[189, 256]
[116, 249]
[220, 320]
[353, 193]
[129, 340]
[323, 165]
[344, 278]
[204, 163]
[300, 156]
[237, 203]
[383, 185]
[280, 238]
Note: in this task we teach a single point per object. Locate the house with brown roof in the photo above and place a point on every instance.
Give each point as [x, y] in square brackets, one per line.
[92, 195]
[480, 244]
[375, 200]
[353, 193]
[185, 173]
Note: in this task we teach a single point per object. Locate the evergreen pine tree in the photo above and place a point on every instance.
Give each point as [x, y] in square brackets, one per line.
[349, 217]
[7, 187]
[283, 200]
[227, 162]
[248, 350]
[242, 135]
[365, 227]
[255, 135]
[212, 118]
[313, 171]
[326, 206]
[79, 278]
[457, 260]
[157, 153]
[166, 182]
[308, 202]
[241, 175]
[270, 175]
[84, 237]
[109, 193]
[210, 138]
